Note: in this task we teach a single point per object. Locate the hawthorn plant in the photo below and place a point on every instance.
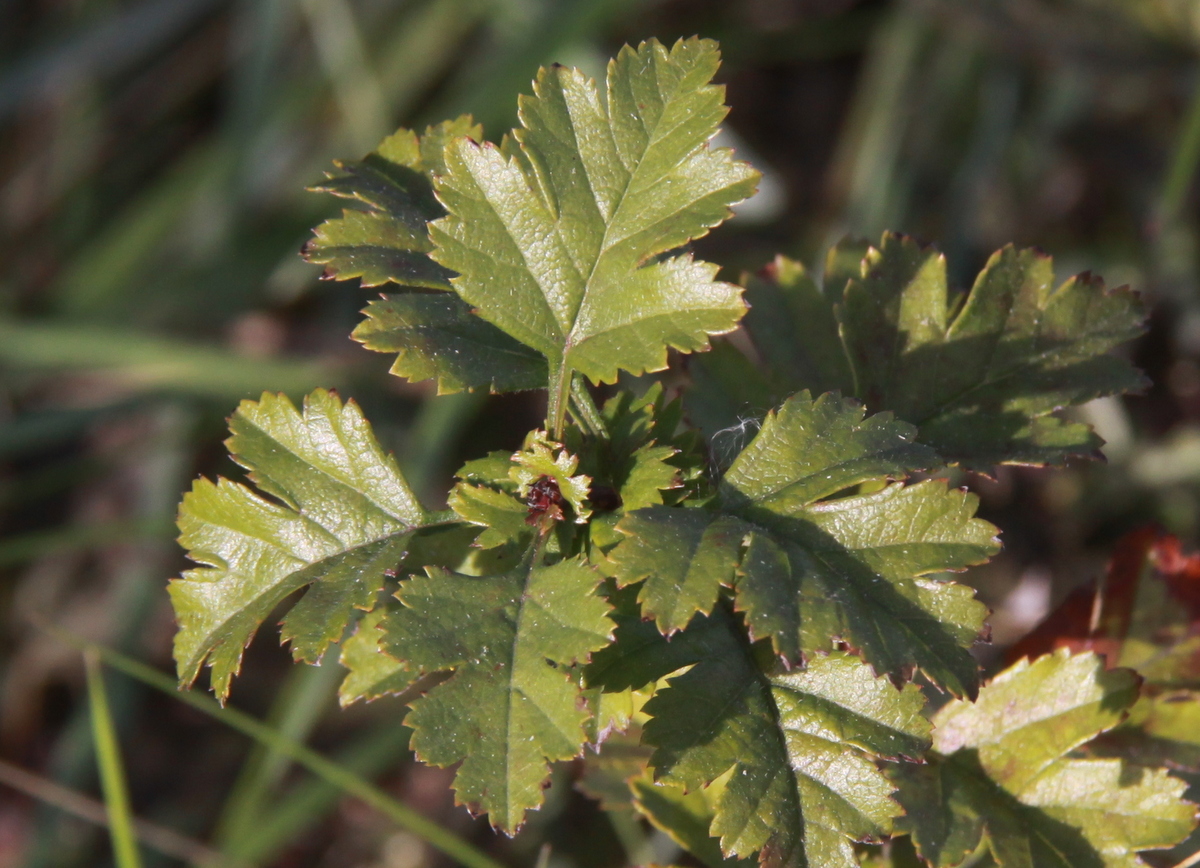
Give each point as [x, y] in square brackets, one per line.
[748, 631]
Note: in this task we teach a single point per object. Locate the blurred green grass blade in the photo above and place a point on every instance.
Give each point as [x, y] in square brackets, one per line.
[867, 155]
[378, 749]
[435, 434]
[1182, 171]
[164, 465]
[412, 56]
[142, 361]
[485, 89]
[30, 546]
[352, 784]
[112, 773]
[118, 42]
[38, 430]
[306, 693]
[343, 55]
[101, 276]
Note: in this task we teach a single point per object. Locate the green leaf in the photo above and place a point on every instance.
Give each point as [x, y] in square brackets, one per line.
[390, 241]
[684, 556]
[807, 450]
[606, 772]
[685, 817]
[486, 495]
[639, 654]
[809, 571]
[1162, 729]
[438, 337]
[499, 512]
[510, 706]
[544, 458]
[612, 712]
[642, 458]
[373, 672]
[798, 748]
[376, 248]
[494, 491]
[558, 236]
[342, 518]
[795, 329]
[980, 373]
[1005, 769]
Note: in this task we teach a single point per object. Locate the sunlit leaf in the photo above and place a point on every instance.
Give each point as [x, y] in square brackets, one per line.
[798, 749]
[510, 707]
[1004, 771]
[809, 571]
[373, 672]
[435, 335]
[557, 237]
[337, 518]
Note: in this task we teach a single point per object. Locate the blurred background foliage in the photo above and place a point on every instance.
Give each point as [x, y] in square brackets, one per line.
[153, 160]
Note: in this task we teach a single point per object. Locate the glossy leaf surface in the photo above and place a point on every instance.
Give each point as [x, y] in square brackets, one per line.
[808, 570]
[557, 236]
[797, 749]
[372, 671]
[339, 518]
[1004, 769]
[510, 706]
[436, 336]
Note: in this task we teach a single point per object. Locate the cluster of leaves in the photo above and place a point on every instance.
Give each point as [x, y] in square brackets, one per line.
[753, 630]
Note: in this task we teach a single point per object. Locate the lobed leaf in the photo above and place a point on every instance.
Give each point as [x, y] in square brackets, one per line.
[543, 457]
[438, 337]
[558, 236]
[685, 817]
[435, 335]
[981, 382]
[683, 557]
[642, 458]
[342, 518]
[797, 748]
[795, 328]
[980, 373]
[389, 242]
[372, 671]
[510, 707]
[1005, 771]
[810, 572]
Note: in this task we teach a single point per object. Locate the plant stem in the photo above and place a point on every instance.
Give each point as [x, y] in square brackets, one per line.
[557, 400]
[588, 412]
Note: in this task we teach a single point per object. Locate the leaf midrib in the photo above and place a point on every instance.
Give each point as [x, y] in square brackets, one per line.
[606, 243]
[207, 647]
[295, 504]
